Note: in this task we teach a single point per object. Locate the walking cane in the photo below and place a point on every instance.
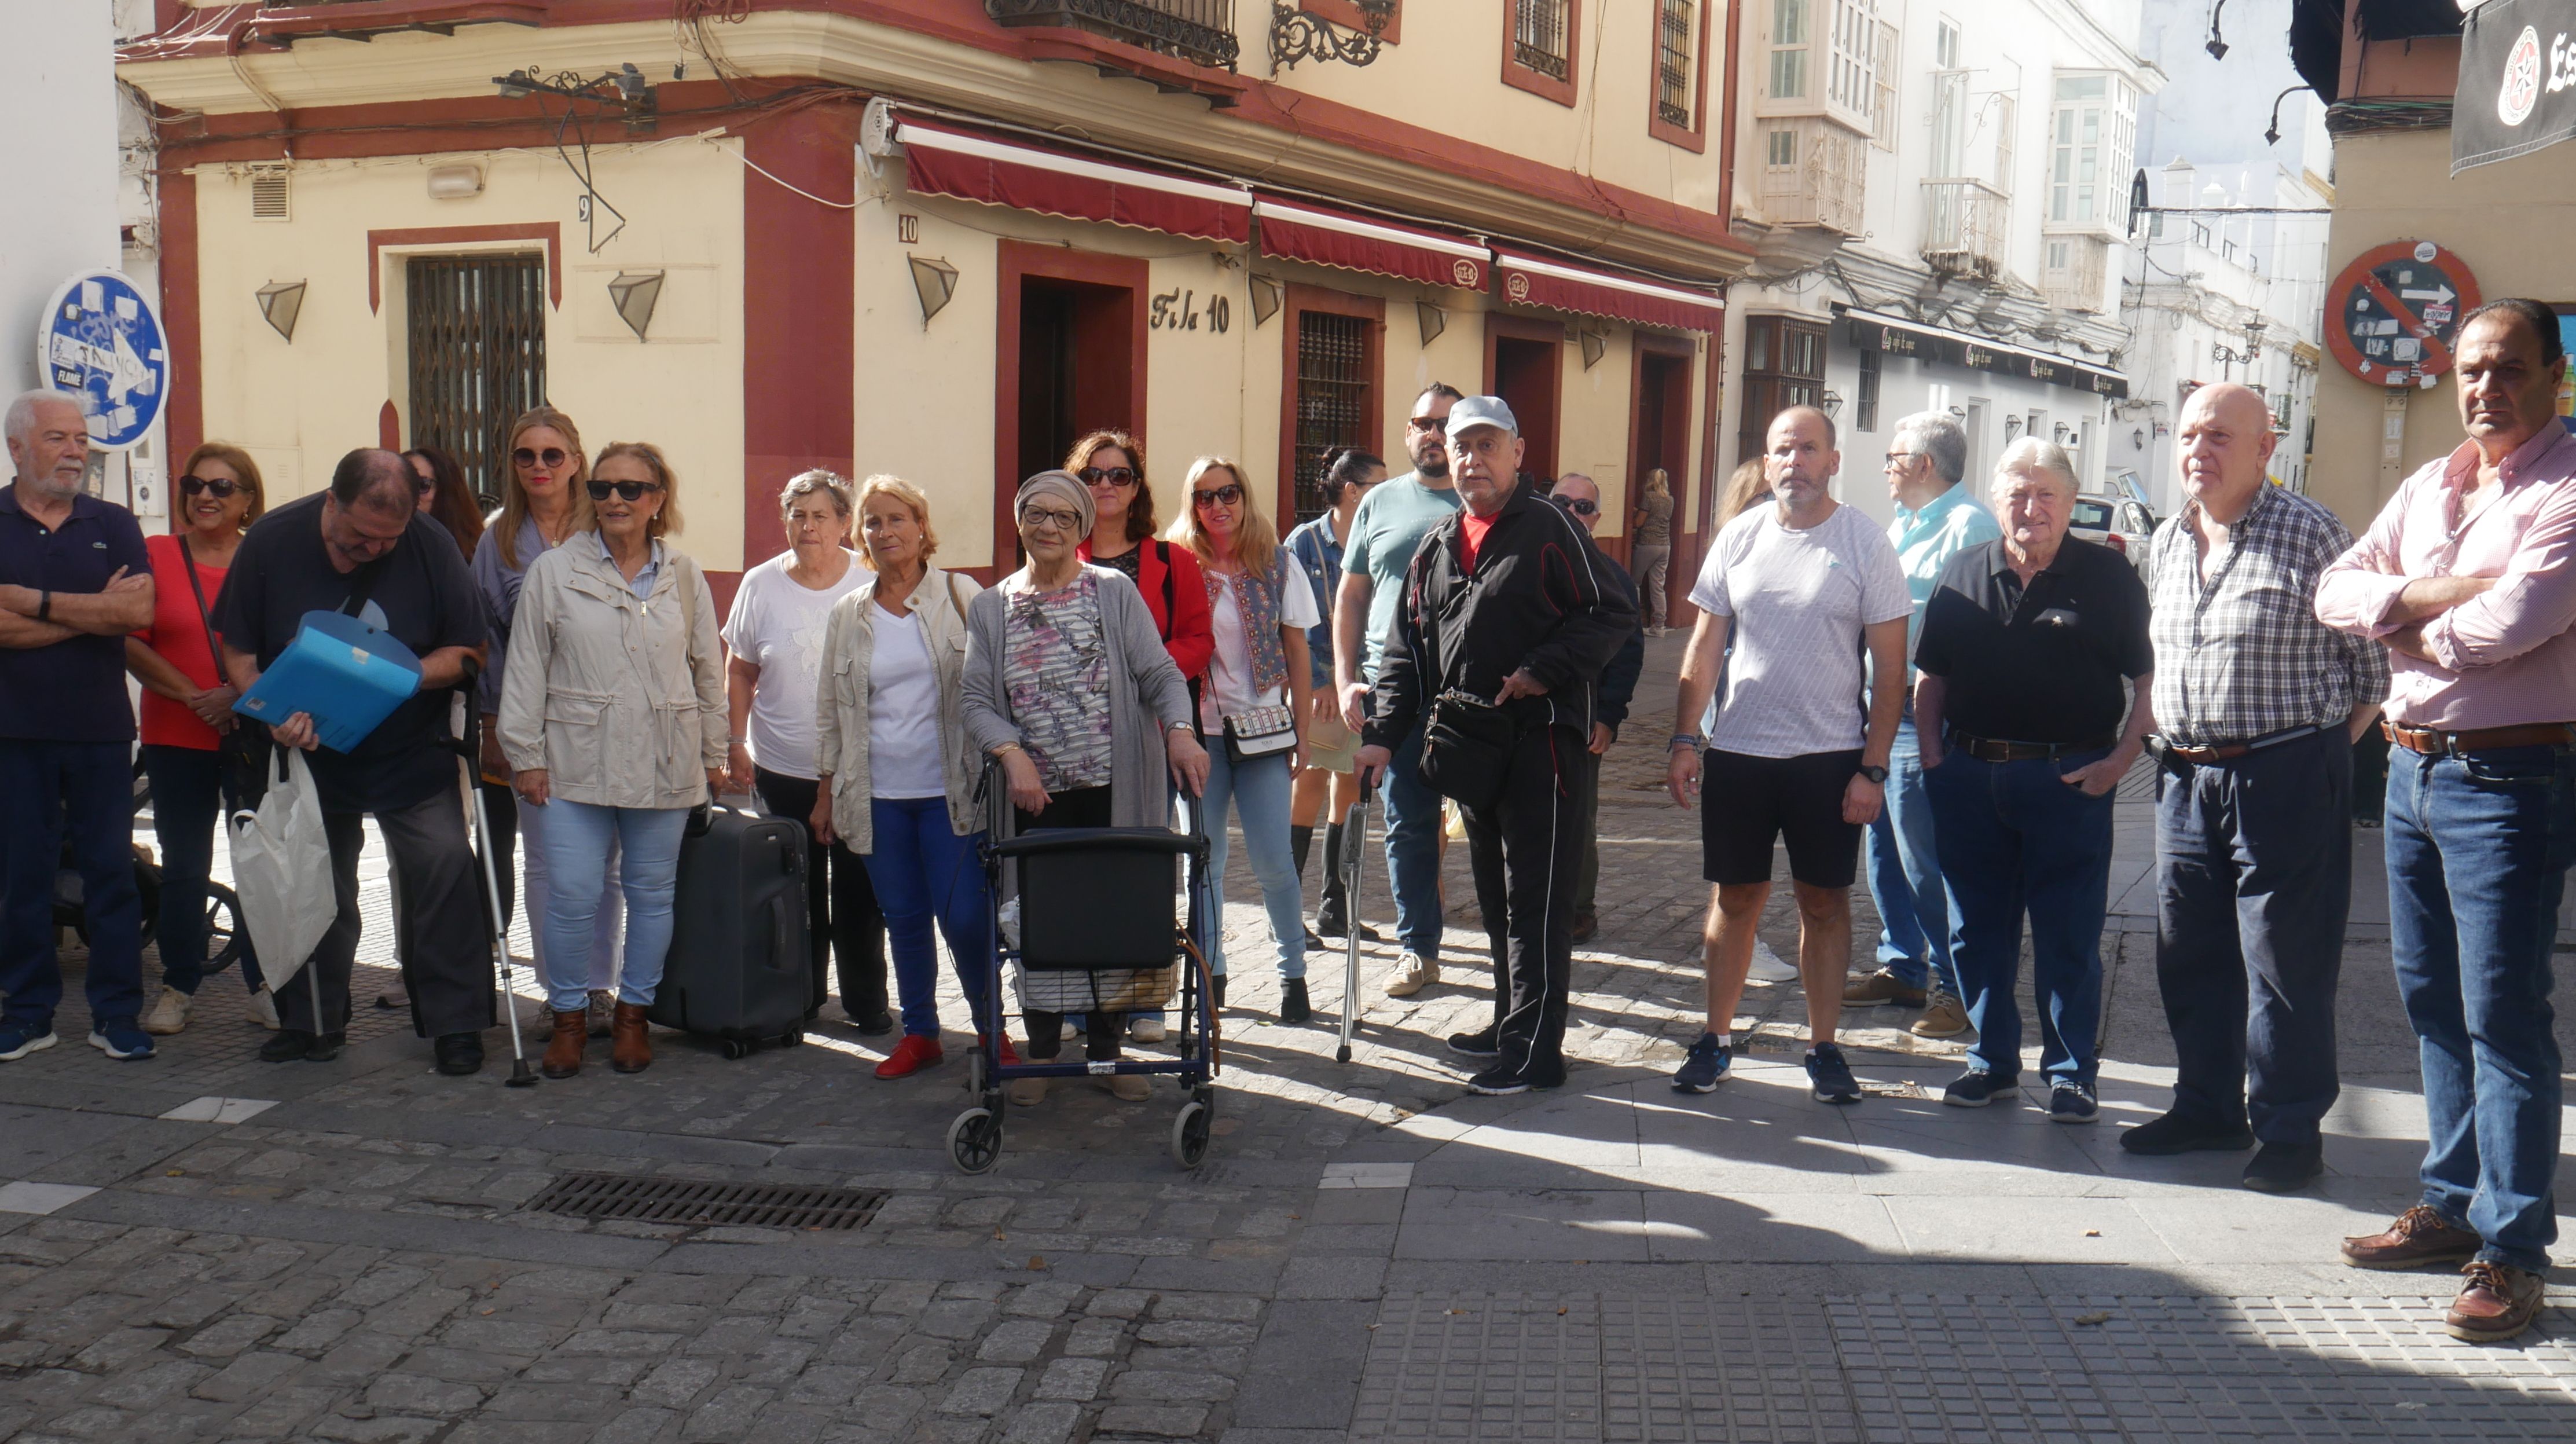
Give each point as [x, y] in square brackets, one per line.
[1354, 851]
[467, 764]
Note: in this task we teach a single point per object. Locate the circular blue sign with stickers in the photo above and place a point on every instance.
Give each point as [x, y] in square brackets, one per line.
[101, 340]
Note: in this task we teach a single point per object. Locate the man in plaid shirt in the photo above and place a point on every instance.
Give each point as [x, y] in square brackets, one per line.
[2257, 704]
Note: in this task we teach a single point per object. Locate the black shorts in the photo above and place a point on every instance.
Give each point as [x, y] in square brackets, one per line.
[1746, 803]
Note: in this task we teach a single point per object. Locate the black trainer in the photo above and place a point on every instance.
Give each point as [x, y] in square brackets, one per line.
[1977, 1087]
[286, 1045]
[459, 1054]
[2183, 1133]
[1829, 1077]
[1485, 1042]
[1498, 1081]
[325, 1047]
[1293, 1007]
[2286, 1167]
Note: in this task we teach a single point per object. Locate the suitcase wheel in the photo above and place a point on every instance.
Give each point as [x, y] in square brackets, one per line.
[975, 1139]
[794, 1037]
[1190, 1133]
[735, 1048]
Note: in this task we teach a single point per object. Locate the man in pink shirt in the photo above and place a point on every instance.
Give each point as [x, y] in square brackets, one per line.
[2469, 576]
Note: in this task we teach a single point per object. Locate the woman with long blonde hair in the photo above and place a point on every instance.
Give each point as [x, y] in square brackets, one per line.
[1650, 547]
[1253, 707]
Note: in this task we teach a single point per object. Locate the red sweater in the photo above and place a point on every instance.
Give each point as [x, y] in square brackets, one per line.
[1184, 624]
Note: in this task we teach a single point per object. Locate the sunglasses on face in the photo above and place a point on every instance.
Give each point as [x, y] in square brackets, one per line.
[552, 456]
[1226, 495]
[1038, 518]
[1580, 506]
[1437, 425]
[218, 488]
[630, 490]
[1107, 476]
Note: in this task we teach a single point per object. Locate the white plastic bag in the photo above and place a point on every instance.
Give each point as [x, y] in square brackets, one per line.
[282, 871]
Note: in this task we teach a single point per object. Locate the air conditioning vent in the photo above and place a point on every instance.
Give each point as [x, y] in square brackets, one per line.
[268, 196]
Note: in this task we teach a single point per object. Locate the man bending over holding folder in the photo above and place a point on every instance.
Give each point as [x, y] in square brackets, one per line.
[362, 548]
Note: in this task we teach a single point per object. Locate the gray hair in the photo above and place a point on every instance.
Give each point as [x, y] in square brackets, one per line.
[806, 483]
[1581, 476]
[1942, 439]
[2030, 455]
[21, 420]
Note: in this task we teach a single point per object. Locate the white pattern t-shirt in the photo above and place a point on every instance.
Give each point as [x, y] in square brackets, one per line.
[1798, 602]
[777, 626]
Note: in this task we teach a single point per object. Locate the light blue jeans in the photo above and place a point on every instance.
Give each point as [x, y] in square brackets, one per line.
[1259, 790]
[1905, 876]
[537, 894]
[578, 838]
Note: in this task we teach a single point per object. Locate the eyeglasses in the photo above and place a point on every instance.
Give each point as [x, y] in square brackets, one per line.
[1110, 476]
[1226, 495]
[1899, 458]
[1038, 518]
[1438, 425]
[1579, 505]
[630, 490]
[218, 488]
[552, 456]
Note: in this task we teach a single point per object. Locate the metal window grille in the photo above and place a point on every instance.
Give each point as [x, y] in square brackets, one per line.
[478, 354]
[1676, 73]
[1538, 36]
[1332, 398]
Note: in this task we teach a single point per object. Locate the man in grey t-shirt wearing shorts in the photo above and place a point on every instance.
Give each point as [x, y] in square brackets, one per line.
[1799, 586]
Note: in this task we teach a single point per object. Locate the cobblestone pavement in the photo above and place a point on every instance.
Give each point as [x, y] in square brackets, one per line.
[349, 1251]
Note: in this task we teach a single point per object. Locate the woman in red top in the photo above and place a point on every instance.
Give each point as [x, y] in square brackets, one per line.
[186, 705]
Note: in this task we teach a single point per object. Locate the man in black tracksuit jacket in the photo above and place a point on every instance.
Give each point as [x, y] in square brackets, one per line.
[1509, 601]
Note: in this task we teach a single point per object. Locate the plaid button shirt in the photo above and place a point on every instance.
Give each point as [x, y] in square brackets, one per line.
[2243, 654]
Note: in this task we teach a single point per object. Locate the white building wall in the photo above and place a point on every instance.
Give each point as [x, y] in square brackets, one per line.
[58, 106]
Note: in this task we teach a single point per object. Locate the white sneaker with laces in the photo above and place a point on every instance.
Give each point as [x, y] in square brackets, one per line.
[1767, 967]
[1413, 973]
[263, 1009]
[169, 1012]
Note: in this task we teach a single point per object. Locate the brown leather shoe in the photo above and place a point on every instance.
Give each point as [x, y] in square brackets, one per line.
[630, 1048]
[1871, 989]
[564, 1045]
[2498, 1302]
[2418, 1237]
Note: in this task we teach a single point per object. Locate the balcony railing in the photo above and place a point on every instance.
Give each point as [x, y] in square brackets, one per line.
[1964, 223]
[1198, 31]
[1816, 174]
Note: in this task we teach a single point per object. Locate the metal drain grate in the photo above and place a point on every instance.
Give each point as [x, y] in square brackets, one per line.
[694, 1201]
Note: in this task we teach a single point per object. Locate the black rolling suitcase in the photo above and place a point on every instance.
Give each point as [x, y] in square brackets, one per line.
[740, 967]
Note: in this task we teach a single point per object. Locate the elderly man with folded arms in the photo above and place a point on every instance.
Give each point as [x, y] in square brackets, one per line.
[2469, 576]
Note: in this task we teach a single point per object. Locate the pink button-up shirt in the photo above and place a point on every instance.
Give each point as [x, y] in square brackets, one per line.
[2501, 659]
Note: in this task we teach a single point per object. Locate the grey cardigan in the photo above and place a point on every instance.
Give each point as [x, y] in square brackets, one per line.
[1146, 695]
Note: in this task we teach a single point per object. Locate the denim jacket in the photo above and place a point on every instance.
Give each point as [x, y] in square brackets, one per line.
[1314, 549]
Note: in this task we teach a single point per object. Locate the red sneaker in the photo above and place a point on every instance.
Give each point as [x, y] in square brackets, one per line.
[1010, 1055]
[910, 1056]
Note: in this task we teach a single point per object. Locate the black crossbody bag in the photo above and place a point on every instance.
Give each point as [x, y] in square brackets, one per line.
[242, 752]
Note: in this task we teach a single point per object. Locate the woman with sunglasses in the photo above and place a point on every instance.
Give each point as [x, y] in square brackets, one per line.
[446, 496]
[1259, 688]
[544, 501]
[1045, 646]
[188, 721]
[613, 719]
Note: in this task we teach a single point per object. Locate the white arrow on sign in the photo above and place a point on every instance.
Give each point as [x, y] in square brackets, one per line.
[2440, 297]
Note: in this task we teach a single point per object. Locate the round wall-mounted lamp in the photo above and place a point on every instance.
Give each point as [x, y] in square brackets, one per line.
[281, 302]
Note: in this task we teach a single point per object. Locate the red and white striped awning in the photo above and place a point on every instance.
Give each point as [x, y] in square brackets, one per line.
[1297, 231]
[945, 161]
[1529, 281]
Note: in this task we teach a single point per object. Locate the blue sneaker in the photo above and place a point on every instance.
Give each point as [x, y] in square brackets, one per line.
[1977, 1087]
[120, 1039]
[2072, 1103]
[1829, 1077]
[17, 1040]
[1705, 1068]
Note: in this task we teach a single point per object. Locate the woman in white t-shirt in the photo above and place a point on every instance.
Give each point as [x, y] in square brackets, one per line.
[898, 775]
[1252, 703]
[772, 678]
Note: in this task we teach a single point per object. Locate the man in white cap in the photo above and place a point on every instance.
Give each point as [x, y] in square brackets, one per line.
[1509, 615]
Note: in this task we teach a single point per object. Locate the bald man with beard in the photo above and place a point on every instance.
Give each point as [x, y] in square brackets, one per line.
[2257, 704]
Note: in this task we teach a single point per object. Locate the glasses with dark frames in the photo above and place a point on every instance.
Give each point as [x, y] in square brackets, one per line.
[552, 456]
[1579, 505]
[1109, 475]
[217, 487]
[1439, 424]
[1226, 495]
[1039, 518]
[630, 490]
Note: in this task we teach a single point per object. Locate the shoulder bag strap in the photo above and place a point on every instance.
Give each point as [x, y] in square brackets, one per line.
[205, 618]
[365, 585]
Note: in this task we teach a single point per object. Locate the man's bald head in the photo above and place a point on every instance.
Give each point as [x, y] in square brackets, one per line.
[1808, 416]
[2226, 441]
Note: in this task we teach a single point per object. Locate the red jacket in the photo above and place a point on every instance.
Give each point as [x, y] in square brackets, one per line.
[1167, 571]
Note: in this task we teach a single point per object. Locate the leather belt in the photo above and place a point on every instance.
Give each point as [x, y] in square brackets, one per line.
[2230, 751]
[1996, 749]
[2443, 744]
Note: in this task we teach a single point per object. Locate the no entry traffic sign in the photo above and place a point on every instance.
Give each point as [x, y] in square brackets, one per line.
[2394, 312]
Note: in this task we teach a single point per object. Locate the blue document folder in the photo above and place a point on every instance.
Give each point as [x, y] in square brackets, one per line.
[348, 675]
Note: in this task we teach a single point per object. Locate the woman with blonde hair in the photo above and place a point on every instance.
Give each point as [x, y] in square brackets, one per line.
[1746, 486]
[1650, 547]
[613, 720]
[1252, 708]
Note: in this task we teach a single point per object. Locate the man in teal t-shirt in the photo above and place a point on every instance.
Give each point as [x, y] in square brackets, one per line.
[1385, 533]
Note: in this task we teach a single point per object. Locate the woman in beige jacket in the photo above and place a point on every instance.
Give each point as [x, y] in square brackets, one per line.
[898, 776]
[613, 722]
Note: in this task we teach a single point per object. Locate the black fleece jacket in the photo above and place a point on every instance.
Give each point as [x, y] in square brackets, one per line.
[1541, 597]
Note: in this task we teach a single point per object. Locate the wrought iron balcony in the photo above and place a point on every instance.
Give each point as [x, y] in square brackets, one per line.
[1198, 31]
[1964, 223]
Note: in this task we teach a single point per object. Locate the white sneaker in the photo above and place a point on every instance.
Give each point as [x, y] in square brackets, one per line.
[1767, 967]
[169, 1012]
[1412, 974]
[1146, 1029]
[263, 1009]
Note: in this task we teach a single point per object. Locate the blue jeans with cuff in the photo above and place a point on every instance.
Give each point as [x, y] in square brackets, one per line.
[923, 874]
[1905, 876]
[579, 838]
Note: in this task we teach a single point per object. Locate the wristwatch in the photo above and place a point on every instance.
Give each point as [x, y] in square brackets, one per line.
[1875, 774]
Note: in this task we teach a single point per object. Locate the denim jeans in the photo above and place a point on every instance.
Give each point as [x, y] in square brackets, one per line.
[1260, 792]
[1905, 876]
[84, 790]
[191, 797]
[578, 839]
[923, 873]
[537, 889]
[2478, 852]
[2016, 837]
[1413, 824]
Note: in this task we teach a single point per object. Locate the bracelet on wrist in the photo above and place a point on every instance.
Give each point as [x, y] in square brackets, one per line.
[1691, 740]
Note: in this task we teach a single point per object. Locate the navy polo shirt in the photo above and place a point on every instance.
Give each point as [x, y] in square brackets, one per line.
[72, 690]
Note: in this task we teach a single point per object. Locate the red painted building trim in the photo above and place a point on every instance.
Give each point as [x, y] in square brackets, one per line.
[1694, 137]
[185, 422]
[547, 231]
[1301, 299]
[799, 284]
[389, 427]
[1539, 82]
[1726, 108]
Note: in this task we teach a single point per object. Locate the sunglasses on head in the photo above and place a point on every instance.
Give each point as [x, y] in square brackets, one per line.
[1579, 505]
[218, 488]
[1110, 476]
[1226, 495]
[552, 456]
[630, 490]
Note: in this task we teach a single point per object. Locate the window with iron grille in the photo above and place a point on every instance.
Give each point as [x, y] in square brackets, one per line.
[1865, 405]
[1539, 34]
[1676, 67]
[477, 327]
[1332, 398]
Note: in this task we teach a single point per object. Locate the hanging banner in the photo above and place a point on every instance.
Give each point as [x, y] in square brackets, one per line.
[2517, 89]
